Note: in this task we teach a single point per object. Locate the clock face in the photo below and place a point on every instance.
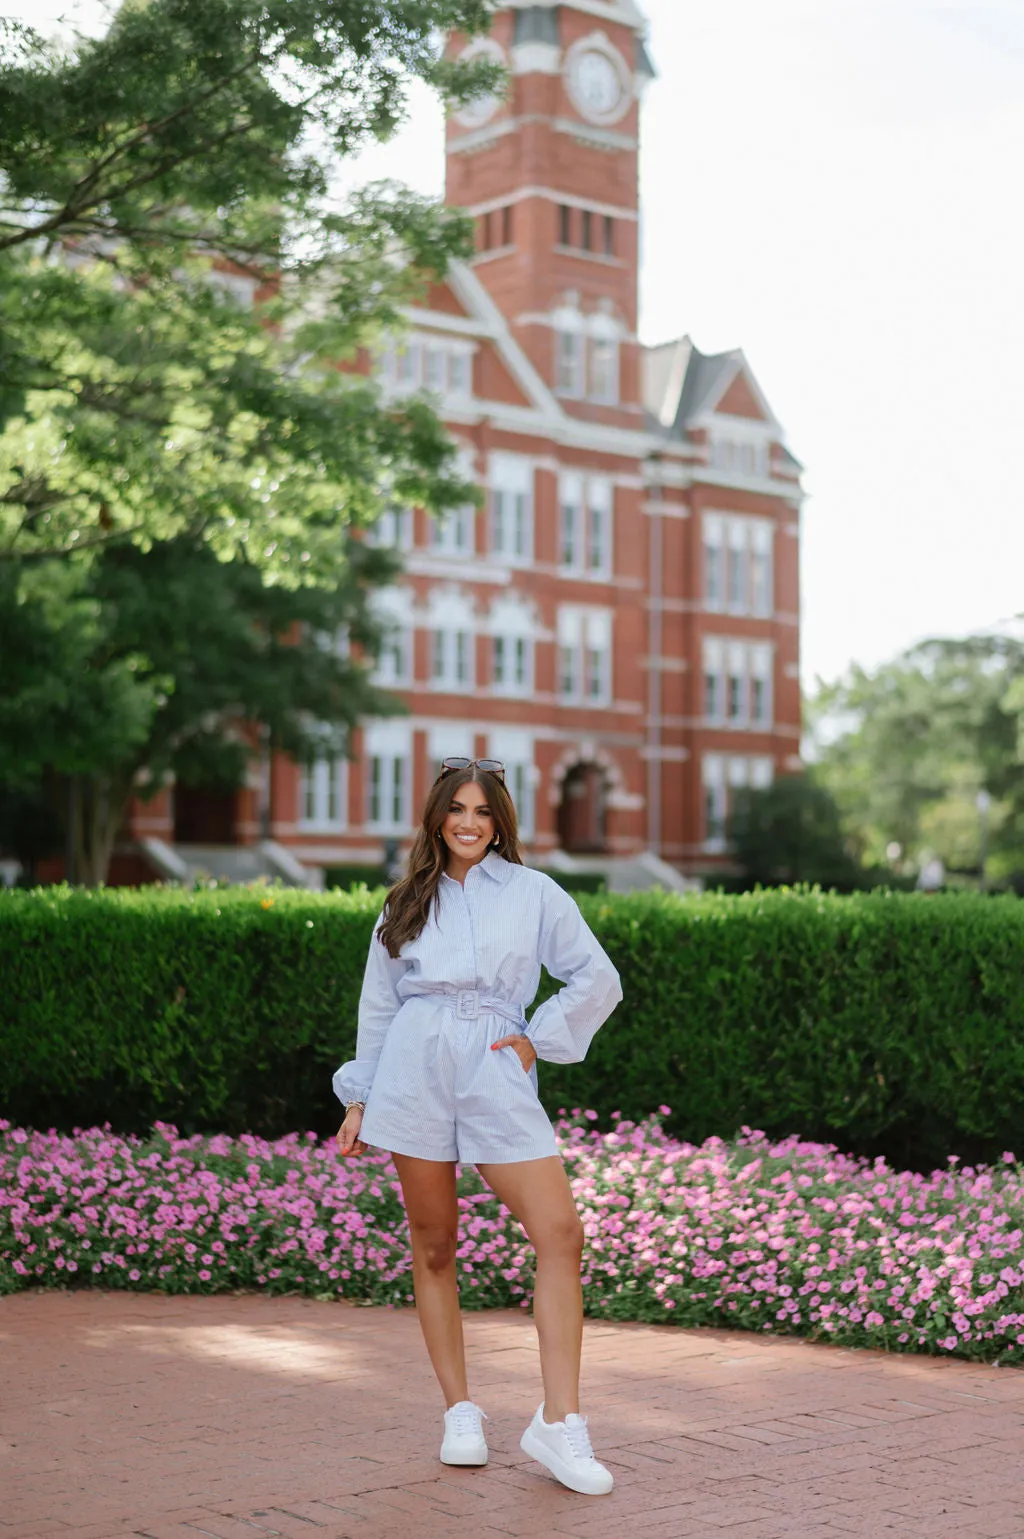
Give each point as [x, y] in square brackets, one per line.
[478, 111]
[596, 84]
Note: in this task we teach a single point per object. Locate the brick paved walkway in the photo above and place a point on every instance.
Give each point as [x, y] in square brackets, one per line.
[243, 1418]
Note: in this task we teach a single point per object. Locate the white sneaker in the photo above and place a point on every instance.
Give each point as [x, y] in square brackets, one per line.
[564, 1448]
[464, 1441]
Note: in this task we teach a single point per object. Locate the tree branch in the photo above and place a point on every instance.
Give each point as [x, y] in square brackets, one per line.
[80, 197]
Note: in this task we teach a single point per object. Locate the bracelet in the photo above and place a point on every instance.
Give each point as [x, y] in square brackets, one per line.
[349, 1105]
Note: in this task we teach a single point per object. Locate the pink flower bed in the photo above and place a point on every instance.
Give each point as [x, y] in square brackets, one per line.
[786, 1236]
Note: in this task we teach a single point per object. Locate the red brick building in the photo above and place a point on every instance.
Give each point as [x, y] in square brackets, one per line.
[619, 624]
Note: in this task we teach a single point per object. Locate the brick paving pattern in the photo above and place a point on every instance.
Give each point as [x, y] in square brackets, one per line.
[247, 1418]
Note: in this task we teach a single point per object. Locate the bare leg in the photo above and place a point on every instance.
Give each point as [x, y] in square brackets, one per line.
[538, 1193]
[428, 1187]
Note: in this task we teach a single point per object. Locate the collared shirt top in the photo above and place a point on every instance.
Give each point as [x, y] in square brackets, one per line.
[489, 938]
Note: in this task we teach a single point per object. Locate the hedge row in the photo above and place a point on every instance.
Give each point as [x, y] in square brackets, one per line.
[885, 1023]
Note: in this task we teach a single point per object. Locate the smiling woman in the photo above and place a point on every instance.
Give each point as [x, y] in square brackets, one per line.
[445, 1072]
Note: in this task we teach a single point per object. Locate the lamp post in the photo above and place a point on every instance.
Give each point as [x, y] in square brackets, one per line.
[983, 802]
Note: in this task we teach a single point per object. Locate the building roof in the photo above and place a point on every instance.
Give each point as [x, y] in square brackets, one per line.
[680, 381]
[682, 384]
[644, 63]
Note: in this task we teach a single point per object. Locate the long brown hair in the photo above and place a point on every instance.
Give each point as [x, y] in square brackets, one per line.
[409, 901]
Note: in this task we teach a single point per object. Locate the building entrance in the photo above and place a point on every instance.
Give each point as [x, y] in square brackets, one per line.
[583, 811]
[204, 815]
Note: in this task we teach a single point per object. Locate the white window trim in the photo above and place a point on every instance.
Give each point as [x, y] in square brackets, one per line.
[515, 748]
[611, 392]
[402, 366]
[582, 632]
[392, 531]
[315, 777]
[391, 743]
[731, 536]
[719, 654]
[453, 534]
[393, 608]
[512, 476]
[723, 774]
[512, 688]
[570, 362]
[583, 487]
[446, 642]
[585, 333]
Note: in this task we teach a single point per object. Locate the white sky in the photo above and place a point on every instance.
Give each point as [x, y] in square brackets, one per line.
[836, 187]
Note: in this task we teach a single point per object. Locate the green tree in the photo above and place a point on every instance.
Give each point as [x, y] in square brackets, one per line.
[160, 666]
[185, 403]
[906, 750]
[791, 832]
[142, 171]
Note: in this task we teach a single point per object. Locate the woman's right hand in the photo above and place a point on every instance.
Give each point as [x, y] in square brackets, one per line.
[349, 1143]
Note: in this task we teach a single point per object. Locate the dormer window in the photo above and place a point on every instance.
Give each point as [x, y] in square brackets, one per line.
[587, 356]
[570, 371]
[604, 369]
[442, 365]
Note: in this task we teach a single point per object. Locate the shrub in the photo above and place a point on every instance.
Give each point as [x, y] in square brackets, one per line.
[579, 881]
[346, 878]
[885, 1023]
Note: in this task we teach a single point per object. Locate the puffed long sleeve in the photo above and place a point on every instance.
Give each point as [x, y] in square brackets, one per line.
[378, 1005]
[562, 1029]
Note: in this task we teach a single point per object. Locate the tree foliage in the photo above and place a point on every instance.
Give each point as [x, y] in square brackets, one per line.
[194, 141]
[907, 749]
[159, 667]
[189, 432]
[791, 832]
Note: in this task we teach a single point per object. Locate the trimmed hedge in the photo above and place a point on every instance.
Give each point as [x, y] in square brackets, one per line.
[344, 878]
[886, 1023]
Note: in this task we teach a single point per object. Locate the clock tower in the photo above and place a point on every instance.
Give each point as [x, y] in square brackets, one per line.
[549, 171]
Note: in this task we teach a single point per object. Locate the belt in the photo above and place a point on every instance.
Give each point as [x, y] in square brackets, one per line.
[469, 1003]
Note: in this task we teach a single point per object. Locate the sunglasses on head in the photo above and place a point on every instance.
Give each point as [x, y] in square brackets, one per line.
[491, 766]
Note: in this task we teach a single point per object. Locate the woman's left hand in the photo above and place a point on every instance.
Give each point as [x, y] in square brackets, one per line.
[524, 1049]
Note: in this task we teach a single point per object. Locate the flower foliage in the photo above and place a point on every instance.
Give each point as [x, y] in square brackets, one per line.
[790, 1237]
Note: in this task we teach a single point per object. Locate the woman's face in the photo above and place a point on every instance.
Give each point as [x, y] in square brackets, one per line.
[468, 827]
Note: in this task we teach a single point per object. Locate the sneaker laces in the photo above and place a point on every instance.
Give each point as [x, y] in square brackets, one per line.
[579, 1437]
[465, 1418]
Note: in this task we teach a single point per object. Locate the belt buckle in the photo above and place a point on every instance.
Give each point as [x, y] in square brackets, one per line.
[468, 1005]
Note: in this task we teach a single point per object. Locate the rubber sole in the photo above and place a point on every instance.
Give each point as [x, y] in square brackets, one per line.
[471, 1463]
[532, 1445]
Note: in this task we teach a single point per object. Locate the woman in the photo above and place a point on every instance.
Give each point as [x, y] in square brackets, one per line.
[445, 1072]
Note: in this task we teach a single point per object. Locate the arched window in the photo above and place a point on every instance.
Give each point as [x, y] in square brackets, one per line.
[586, 354]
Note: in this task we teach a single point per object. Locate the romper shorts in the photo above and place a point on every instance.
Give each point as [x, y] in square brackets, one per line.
[441, 1093]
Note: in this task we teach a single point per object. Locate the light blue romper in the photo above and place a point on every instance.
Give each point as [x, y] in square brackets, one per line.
[427, 1018]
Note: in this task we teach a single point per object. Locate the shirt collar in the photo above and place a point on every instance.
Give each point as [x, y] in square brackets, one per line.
[493, 865]
[496, 866]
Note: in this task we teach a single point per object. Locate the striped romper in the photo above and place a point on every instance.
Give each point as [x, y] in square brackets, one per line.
[424, 1066]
